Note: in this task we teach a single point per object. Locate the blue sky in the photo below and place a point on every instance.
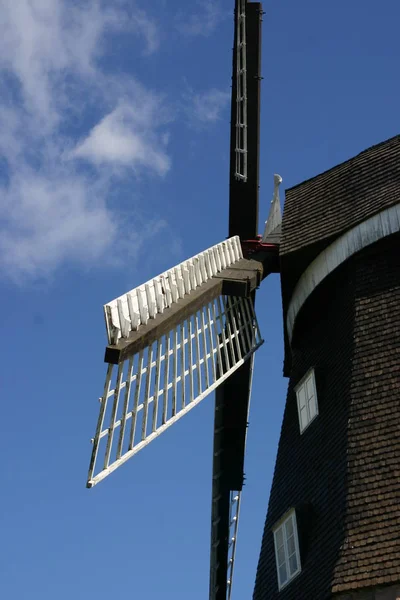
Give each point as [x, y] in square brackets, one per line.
[114, 123]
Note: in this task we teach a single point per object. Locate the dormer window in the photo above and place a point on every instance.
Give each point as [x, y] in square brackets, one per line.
[287, 549]
[307, 404]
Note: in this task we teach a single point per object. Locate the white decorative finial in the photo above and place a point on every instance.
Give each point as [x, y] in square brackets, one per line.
[277, 181]
[275, 216]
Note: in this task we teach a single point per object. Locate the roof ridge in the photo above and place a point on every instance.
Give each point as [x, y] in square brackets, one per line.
[348, 160]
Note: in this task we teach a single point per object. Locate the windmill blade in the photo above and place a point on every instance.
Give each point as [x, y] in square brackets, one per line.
[232, 408]
[230, 429]
[169, 364]
[233, 396]
[245, 121]
[234, 512]
[134, 309]
[147, 393]
[240, 74]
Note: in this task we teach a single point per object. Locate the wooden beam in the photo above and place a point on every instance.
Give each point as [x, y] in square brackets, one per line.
[249, 204]
[243, 195]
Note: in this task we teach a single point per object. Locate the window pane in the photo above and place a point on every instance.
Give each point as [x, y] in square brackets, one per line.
[279, 537]
[281, 555]
[303, 418]
[291, 545]
[282, 574]
[293, 564]
[312, 407]
[289, 527]
[287, 555]
[310, 386]
[301, 394]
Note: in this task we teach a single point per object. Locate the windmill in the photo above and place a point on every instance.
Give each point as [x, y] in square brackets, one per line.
[193, 329]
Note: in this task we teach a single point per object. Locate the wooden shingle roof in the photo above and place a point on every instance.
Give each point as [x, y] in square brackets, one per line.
[321, 209]
[329, 204]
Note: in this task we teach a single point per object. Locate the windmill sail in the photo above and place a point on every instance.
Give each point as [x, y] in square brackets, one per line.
[233, 396]
[241, 93]
[178, 354]
[135, 308]
[193, 329]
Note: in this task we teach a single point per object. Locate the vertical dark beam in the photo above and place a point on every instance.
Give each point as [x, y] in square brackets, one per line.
[254, 14]
[220, 491]
[230, 426]
[223, 545]
[229, 439]
[243, 196]
[220, 508]
[232, 397]
[235, 410]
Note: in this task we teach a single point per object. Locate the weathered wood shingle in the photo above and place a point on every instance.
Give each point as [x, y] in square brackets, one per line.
[342, 475]
[320, 209]
[329, 204]
[370, 554]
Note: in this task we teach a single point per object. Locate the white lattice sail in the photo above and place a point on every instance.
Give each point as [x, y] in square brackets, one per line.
[234, 511]
[135, 308]
[241, 94]
[147, 393]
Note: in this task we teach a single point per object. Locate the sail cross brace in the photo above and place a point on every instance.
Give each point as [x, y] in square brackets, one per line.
[147, 393]
[241, 93]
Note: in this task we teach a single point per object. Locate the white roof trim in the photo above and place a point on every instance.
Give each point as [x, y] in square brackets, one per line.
[373, 229]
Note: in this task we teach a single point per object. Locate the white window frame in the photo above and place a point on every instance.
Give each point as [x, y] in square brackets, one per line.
[307, 403]
[282, 526]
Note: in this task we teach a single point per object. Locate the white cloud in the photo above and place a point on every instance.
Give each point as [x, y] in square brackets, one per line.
[124, 138]
[203, 22]
[58, 216]
[53, 209]
[206, 107]
[148, 29]
[52, 217]
[43, 40]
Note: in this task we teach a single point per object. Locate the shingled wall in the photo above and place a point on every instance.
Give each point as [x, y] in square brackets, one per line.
[320, 209]
[391, 592]
[342, 474]
[370, 554]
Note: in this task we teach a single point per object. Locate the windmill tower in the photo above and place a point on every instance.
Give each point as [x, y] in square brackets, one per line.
[333, 523]
[193, 329]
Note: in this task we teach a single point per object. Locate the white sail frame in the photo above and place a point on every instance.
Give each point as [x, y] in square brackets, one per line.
[147, 393]
[241, 94]
[133, 309]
